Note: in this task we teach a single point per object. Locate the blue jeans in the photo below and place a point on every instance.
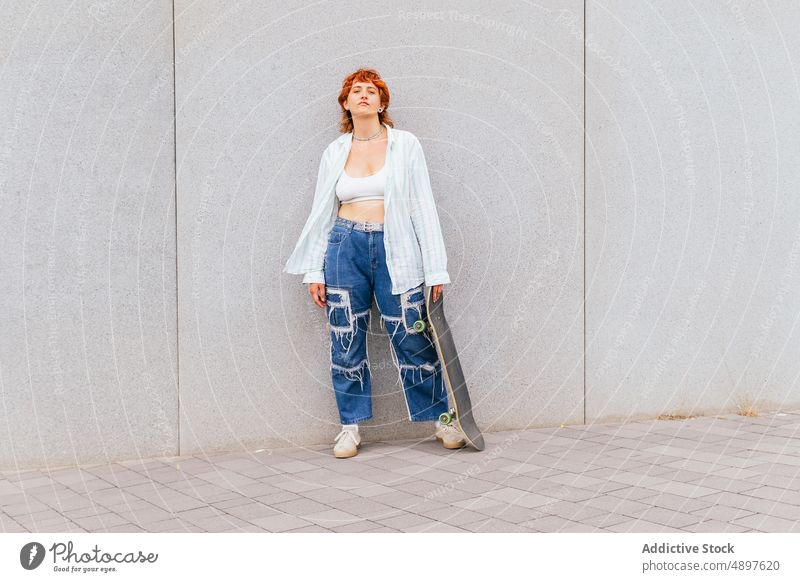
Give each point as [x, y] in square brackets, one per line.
[355, 272]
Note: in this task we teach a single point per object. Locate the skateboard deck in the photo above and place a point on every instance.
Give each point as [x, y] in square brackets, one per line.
[460, 413]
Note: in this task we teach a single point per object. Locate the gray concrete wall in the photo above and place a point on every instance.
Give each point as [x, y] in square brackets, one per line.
[692, 175]
[115, 321]
[88, 359]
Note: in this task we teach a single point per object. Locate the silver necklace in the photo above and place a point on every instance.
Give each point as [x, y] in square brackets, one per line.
[373, 136]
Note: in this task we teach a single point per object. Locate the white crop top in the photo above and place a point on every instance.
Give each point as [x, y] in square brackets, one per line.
[350, 189]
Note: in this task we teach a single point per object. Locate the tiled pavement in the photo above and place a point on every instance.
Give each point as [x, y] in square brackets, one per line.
[711, 474]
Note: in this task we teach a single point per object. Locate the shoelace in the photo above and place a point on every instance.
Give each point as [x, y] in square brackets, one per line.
[450, 428]
[342, 433]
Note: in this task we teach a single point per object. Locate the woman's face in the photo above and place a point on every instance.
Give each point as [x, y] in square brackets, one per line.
[364, 99]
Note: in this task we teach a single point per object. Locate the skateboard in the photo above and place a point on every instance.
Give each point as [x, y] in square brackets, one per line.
[460, 413]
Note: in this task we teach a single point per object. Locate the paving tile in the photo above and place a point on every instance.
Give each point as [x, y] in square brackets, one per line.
[548, 524]
[58, 528]
[84, 511]
[776, 494]
[233, 502]
[172, 526]
[125, 528]
[636, 479]
[280, 523]
[683, 489]
[279, 497]
[99, 523]
[612, 504]
[356, 527]
[371, 490]
[782, 481]
[633, 493]
[225, 478]
[573, 511]
[475, 486]
[724, 483]
[777, 468]
[418, 486]
[452, 515]
[402, 500]
[668, 517]
[301, 507]
[332, 518]
[146, 516]
[582, 481]
[8, 488]
[175, 502]
[310, 529]
[722, 513]
[477, 503]
[90, 485]
[756, 505]
[676, 502]
[714, 526]
[504, 494]
[367, 508]
[494, 525]
[253, 511]
[291, 484]
[434, 527]
[496, 476]
[220, 523]
[192, 515]
[330, 496]
[768, 524]
[401, 522]
[581, 528]
[641, 526]
[514, 513]
[26, 508]
[294, 467]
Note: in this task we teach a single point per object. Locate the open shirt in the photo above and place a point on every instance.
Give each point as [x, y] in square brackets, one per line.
[412, 235]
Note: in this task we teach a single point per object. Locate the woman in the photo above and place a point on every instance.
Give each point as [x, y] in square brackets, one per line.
[374, 231]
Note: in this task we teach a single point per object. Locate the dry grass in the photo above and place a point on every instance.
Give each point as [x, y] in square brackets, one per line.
[674, 416]
[746, 407]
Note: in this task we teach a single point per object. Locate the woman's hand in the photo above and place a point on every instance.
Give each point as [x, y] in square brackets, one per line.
[436, 292]
[317, 291]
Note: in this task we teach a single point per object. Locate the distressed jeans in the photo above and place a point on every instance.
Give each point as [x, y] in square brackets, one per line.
[355, 272]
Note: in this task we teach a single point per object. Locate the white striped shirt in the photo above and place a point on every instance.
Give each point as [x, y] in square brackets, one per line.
[412, 235]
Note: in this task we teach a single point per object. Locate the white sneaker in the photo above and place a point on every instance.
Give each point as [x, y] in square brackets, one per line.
[347, 443]
[450, 436]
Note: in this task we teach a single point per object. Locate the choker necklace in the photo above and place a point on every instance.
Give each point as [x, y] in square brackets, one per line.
[373, 136]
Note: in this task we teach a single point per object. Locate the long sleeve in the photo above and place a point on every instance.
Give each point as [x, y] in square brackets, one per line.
[309, 253]
[314, 277]
[426, 220]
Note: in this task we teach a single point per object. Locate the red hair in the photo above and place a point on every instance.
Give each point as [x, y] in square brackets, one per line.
[364, 76]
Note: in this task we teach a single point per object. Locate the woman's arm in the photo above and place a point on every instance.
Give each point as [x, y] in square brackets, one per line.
[308, 257]
[426, 220]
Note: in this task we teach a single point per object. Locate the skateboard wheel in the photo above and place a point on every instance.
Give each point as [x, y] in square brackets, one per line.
[419, 326]
[445, 418]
